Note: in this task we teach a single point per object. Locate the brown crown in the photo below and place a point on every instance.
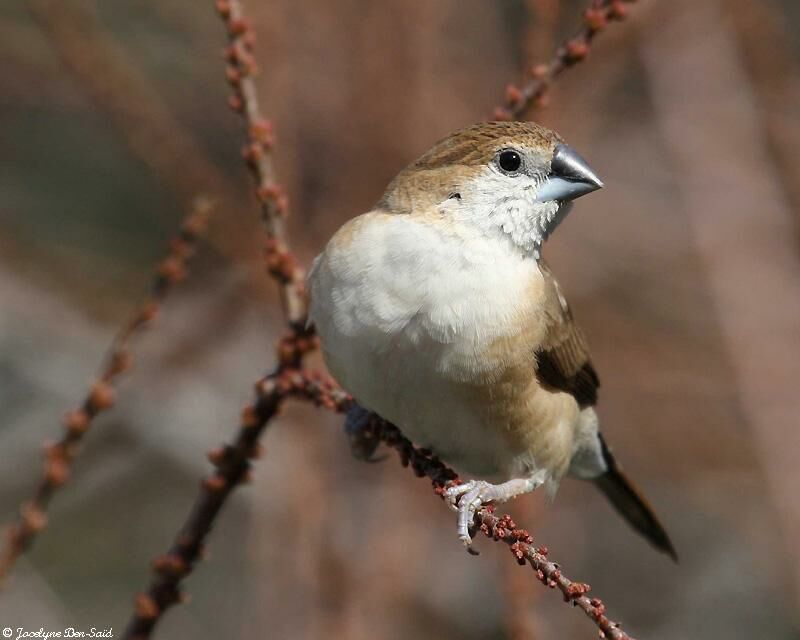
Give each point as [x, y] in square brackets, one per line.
[477, 144]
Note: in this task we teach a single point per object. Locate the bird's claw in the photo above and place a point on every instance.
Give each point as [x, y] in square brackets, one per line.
[468, 497]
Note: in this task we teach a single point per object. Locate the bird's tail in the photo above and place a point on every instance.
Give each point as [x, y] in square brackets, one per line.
[631, 504]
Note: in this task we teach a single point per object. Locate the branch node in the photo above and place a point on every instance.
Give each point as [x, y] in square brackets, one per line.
[146, 607]
[76, 422]
[101, 396]
[215, 483]
[170, 565]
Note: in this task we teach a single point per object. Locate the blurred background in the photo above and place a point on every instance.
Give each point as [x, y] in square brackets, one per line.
[684, 271]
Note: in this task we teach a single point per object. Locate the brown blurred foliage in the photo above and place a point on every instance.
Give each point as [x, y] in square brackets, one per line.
[683, 271]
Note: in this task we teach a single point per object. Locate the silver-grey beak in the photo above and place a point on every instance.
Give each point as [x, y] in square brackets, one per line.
[570, 177]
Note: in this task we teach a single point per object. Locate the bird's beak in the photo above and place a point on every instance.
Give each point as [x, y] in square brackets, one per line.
[570, 177]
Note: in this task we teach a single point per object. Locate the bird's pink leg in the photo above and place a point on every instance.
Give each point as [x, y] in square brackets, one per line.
[470, 496]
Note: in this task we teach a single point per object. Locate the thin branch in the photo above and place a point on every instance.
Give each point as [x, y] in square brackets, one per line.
[533, 93]
[549, 573]
[59, 457]
[232, 466]
[257, 152]
[233, 461]
[503, 528]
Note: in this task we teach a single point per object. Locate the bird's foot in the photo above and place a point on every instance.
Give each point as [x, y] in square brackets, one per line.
[470, 496]
[361, 432]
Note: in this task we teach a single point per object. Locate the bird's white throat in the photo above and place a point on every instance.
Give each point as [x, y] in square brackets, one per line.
[496, 205]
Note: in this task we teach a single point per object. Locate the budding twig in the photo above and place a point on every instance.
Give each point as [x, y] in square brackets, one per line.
[533, 92]
[232, 466]
[502, 528]
[232, 461]
[257, 153]
[60, 455]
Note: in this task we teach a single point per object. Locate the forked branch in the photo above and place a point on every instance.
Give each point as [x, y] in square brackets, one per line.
[232, 465]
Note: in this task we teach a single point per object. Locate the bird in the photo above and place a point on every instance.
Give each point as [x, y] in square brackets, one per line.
[436, 311]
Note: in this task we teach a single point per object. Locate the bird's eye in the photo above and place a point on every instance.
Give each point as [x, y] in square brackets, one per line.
[509, 160]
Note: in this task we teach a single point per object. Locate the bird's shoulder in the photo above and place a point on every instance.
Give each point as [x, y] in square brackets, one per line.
[563, 360]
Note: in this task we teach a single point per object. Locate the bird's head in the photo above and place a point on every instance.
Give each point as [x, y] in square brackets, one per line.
[510, 179]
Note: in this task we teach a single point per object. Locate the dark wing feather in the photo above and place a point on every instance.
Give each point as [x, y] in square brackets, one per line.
[563, 359]
[564, 364]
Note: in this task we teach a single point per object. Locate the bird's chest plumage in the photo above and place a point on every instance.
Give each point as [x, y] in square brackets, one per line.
[434, 329]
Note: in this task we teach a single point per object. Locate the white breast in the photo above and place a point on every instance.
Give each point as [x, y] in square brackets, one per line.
[408, 309]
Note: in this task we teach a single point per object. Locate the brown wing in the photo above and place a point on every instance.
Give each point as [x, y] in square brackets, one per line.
[563, 359]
